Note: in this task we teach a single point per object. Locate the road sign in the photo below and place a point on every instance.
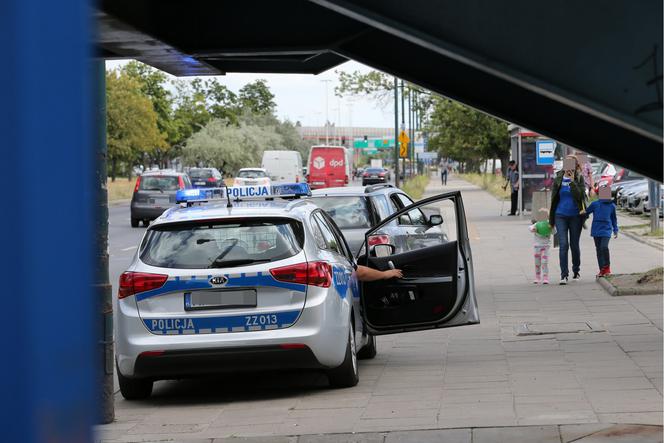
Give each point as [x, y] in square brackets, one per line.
[545, 150]
[403, 150]
[403, 138]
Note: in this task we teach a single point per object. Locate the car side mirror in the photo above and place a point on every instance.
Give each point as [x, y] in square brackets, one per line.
[435, 220]
[404, 219]
[382, 250]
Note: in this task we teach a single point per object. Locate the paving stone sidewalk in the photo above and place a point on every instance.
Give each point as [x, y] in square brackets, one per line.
[482, 382]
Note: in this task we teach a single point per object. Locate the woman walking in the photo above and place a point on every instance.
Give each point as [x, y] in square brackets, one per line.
[568, 198]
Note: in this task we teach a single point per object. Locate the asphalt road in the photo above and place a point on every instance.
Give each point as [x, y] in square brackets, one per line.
[123, 241]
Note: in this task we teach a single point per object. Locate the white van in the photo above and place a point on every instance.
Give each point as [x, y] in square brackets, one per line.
[283, 166]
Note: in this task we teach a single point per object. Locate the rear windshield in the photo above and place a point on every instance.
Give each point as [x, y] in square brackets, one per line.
[159, 183]
[251, 174]
[222, 244]
[374, 170]
[347, 212]
[200, 173]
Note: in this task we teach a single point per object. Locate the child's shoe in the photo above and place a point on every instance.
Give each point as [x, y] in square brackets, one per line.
[545, 280]
[607, 271]
[600, 273]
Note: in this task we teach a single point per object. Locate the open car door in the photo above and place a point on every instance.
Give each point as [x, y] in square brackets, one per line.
[428, 241]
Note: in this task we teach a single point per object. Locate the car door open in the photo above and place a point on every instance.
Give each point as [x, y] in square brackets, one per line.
[437, 288]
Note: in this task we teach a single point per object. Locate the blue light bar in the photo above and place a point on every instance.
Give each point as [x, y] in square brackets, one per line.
[238, 193]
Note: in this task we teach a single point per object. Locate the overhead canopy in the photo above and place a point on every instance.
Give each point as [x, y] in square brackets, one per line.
[587, 73]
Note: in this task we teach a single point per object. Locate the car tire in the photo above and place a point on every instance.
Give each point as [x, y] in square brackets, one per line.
[368, 351]
[146, 222]
[347, 374]
[134, 388]
[134, 222]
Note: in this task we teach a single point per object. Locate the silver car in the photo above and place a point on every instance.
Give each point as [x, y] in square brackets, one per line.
[270, 283]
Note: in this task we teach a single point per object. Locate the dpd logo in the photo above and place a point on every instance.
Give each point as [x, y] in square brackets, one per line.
[336, 163]
[319, 163]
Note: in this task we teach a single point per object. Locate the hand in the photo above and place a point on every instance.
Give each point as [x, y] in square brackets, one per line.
[392, 273]
[615, 235]
[582, 212]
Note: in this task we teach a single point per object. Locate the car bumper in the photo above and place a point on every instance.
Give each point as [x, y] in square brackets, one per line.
[373, 181]
[320, 331]
[146, 211]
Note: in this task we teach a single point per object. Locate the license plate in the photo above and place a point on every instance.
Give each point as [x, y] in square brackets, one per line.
[197, 300]
[199, 183]
[160, 201]
[374, 176]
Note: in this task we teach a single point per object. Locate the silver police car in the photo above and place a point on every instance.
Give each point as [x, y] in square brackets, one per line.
[269, 282]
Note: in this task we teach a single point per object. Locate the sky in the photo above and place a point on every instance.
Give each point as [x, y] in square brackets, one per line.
[302, 97]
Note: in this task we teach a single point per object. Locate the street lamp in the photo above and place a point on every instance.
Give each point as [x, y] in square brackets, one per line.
[327, 119]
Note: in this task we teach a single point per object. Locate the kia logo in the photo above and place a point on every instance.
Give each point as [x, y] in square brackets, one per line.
[220, 280]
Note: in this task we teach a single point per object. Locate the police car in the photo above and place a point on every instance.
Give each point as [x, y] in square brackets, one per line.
[255, 278]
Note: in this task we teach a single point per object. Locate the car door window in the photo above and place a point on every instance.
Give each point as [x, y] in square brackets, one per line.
[341, 241]
[437, 288]
[413, 217]
[383, 206]
[331, 242]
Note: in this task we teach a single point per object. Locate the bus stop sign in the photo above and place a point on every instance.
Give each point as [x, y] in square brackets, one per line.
[545, 150]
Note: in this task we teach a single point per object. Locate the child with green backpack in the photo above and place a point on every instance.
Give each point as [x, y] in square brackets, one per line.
[542, 232]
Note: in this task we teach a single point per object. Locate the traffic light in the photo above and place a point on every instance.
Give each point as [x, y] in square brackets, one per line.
[366, 139]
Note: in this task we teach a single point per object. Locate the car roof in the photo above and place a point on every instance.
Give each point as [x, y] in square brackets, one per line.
[162, 172]
[294, 208]
[354, 191]
[251, 169]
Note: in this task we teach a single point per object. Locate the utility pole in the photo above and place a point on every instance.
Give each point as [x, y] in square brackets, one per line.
[654, 198]
[403, 124]
[102, 286]
[327, 117]
[396, 132]
[411, 143]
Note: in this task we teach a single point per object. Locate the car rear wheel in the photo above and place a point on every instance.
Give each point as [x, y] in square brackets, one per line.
[346, 375]
[134, 222]
[146, 222]
[369, 350]
[134, 388]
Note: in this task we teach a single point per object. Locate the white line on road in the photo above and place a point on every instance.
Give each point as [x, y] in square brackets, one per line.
[129, 248]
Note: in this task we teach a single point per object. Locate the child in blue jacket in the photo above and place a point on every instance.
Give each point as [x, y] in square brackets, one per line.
[604, 224]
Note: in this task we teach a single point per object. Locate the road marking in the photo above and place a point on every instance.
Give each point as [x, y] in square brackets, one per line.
[129, 248]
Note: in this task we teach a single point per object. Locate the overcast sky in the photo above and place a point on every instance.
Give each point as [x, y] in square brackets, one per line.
[302, 97]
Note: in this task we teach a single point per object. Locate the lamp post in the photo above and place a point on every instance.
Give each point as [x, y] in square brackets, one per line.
[327, 118]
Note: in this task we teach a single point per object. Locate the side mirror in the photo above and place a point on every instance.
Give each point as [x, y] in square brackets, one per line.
[382, 250]
[404, 219]
[435, 220]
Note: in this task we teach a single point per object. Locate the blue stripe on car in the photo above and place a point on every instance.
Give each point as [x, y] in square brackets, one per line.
[233, 323]
[182, 284]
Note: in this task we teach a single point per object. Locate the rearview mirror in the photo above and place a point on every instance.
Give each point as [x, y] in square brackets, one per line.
[382, 250]
[435, 220]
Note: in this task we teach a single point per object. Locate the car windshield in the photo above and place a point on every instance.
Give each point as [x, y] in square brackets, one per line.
[374, 170]
[346, 211]
[251, 173]
[222, 244]
[159, 183]
[200, 173]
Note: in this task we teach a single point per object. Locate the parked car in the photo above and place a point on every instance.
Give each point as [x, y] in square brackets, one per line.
[372, 176]
[154, 193]
[623, 177]
[251, 177]
[605, 177]
[622, 192]
[206, 177]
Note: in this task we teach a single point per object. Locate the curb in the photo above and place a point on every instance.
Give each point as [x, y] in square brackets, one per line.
[640, 239]
[616, 292]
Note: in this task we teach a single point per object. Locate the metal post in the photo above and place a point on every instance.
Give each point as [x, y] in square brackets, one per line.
[654, 199]
[410, 129]
[102, 287]
[403, 124]
[520, 181]
[396, 132]
[327, 118]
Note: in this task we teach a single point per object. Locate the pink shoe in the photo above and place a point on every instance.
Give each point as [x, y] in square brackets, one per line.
[545, 281]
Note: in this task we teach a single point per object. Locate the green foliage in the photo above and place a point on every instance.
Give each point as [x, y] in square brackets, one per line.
[131, 122]
[415, 186]
[466, 135]
[256, 98]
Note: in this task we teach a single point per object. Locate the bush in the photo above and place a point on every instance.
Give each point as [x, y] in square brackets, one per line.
[415, 186]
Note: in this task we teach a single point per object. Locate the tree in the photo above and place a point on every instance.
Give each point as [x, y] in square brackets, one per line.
[131, 122]
[256, 98]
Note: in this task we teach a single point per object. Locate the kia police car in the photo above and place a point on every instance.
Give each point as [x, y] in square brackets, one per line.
[255, 278]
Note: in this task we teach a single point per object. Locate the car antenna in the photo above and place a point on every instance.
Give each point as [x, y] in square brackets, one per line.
[228, 197]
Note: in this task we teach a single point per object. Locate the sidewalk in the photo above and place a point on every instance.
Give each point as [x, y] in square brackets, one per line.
[481, 383]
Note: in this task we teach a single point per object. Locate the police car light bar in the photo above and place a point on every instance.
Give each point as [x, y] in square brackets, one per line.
[239, 193]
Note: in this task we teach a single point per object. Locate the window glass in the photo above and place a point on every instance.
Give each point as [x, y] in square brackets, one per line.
[253, 173]
[384, 206]
[201, 174]
[222, 244]
[343, 246]
[346, 211]
[414, 217]
[330, 239]
[318, 234]
[159, 183]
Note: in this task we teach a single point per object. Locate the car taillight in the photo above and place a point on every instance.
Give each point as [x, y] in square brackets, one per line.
[211, 179]
[297, 179]
[138, 183]
[180, 182]
[382, 174]
[366, 174]
[381, 239]
[317, 273]
[135, 282]
[346, 179]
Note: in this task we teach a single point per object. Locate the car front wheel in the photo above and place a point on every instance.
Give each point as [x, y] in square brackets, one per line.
[134, 222]
[368, 351]
[346, 375]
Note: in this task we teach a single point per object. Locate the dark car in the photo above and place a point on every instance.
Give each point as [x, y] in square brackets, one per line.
[154, 193]
[372, 176]
[622, 178]
[206, 177]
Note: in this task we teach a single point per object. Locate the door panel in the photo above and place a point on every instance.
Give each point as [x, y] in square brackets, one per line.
[437, 288]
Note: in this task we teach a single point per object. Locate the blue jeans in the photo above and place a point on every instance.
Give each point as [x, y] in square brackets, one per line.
[602, 248]
[569, 233]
